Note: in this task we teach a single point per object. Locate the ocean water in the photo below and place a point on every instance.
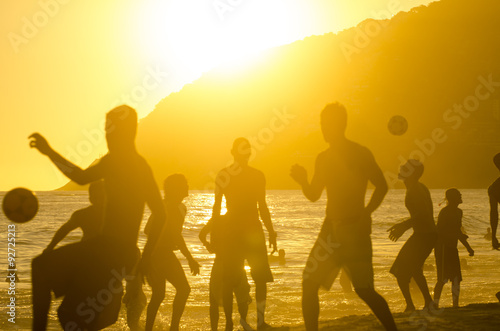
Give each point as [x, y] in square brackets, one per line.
[297, 222]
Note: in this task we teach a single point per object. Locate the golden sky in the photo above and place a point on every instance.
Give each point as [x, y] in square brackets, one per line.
[65, 63]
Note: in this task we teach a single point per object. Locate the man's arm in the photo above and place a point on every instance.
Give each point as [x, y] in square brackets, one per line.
[193, 265]
[158, 214]
[69, 169]
[494, 220]
[313, 190]
[265, 215]
[398, 229]
[204, 233]
[466, 244]
[61, 234]
[378, 180]
[217, 197]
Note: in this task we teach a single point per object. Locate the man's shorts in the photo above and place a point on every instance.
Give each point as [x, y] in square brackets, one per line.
[340, 248]
[89, 275]
[249, 245]
[412, 256]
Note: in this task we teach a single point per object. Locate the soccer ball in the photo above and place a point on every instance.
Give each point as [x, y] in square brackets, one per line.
[397, 125]
[20, 205]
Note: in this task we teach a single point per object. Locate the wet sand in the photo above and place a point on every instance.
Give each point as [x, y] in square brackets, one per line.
[484, 316]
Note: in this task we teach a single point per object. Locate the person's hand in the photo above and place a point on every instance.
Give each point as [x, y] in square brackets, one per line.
[209, 247]
[396, 231]
[494, 242]
[194, 266]
[272, 241]
[471, 252]
[299, 174]
[48, 250]
[39, 142]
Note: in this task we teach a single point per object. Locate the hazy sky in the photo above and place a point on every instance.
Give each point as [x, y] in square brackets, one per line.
[66, 62]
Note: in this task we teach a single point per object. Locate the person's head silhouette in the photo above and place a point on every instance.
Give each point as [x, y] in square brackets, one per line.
[241, 151]
[175, 188]
[412, 170]
[333, 122]
[121, 128]
[496, 160]
[96, 193]
[453, 196]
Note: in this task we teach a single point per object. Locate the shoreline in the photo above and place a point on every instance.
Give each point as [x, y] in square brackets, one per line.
[477, 316]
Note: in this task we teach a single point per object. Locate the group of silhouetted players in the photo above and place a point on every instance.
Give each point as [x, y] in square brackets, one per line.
[89, 273]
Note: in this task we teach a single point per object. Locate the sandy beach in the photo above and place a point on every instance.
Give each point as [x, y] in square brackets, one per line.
[484, 316]
[477, 317]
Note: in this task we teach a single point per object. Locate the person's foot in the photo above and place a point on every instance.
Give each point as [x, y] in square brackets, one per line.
[264, 326]
[409, 309]
[245, 325]
[229, 326]
[430, 306]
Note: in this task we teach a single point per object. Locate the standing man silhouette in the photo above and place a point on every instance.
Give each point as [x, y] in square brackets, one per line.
[344, 169]
[89, 273]
[244, 188]
[494, 195]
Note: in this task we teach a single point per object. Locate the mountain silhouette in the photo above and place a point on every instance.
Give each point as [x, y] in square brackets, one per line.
[425, 65]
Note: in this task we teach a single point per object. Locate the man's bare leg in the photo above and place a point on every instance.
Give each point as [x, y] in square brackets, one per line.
[41, 295]
[310, 305]
[438, 289]
[242, 299]
[214, 308]
[379, 307]
[182, 293]
[424, 288]
[158, 289]
[404, 286]
[455, 291]
[227, 302]
[260, 298]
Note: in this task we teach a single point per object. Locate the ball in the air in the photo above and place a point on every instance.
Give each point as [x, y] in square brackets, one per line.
[397, 125]
[20, 205]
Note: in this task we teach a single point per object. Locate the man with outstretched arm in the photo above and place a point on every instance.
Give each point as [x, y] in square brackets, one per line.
[89, 273]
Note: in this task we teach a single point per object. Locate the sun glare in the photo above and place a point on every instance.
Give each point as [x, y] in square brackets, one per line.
[203, 37]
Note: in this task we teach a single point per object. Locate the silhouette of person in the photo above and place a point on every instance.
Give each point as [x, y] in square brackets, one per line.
[217, 229]
[411, 258]
[89, 273]
[344, 169]
[164, 263]
[487, 235]
[244, 189]
[89, 219]
[280, 259]
[494, 196]
[449, 233]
